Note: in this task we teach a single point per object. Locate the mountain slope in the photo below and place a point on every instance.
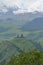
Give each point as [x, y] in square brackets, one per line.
[36, 24]
[35, 30]
[10, 25]
[19, 18]
[26, 44]
[8, 49]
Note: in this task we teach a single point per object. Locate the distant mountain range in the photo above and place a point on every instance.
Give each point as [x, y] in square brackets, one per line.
[19, 19]
[11, 23]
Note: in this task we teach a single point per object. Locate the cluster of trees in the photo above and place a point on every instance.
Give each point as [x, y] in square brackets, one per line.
[27, 58]
[22, 36]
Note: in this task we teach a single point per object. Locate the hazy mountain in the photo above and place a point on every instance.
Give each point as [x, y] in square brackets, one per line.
[19, 19]
[36, 24]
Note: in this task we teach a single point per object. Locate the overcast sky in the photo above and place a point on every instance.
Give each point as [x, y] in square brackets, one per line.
[29, 5]
[21, 3]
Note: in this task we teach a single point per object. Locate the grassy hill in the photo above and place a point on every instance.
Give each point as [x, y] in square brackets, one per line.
[8, 30]
[34, 29]
[10, 27]
[29, 58]
[8, 49]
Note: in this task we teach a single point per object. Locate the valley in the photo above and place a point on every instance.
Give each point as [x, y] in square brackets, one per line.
[12, 27]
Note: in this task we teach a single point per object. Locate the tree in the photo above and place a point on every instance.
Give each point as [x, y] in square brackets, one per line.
[22, 36]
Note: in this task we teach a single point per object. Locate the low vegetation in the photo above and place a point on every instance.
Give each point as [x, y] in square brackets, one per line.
[19, 45]
[27, 58]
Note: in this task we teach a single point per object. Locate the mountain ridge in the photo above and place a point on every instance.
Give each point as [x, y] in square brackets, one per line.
[36, 24]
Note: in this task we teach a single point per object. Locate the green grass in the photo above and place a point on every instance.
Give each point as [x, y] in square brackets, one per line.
[24, 44]
[14, 46]
[10, 30]
[7, 50]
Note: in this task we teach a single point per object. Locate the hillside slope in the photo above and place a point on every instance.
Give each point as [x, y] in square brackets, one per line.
[36, 24]
[8, 49]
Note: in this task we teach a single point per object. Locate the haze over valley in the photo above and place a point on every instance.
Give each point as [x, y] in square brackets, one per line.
[21, 30]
